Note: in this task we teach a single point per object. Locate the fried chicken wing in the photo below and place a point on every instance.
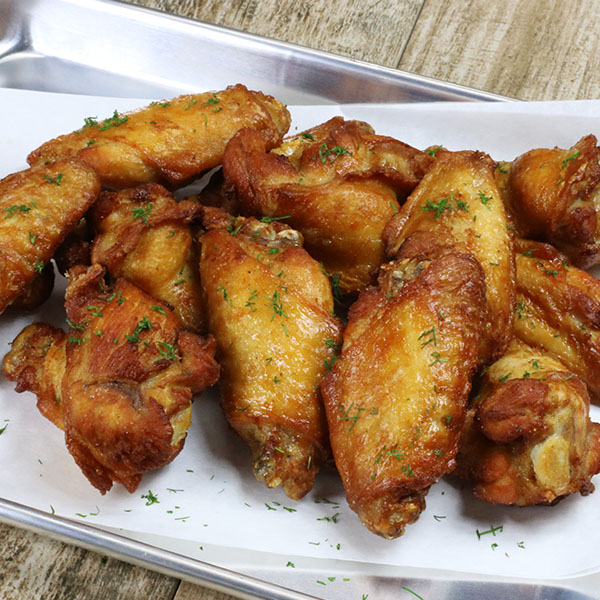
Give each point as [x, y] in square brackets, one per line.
[168, 142]
[558, 310]
[270, 310]
[457, 205]
[144, 235]
[338, 184]
[120, 384]
[38, 207]
[396, 399]
[528, 437]
[554, 195]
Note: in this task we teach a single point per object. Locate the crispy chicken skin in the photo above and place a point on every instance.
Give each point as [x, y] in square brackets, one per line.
[558, 311]
[554, 196]
[145, 236]
[37, 363]
[38, 207]
[36, 292]
[171, 141]
[270, 311]
[457, 205]
[396, 399]
[528, 438]
[338, 184]
[120, 383]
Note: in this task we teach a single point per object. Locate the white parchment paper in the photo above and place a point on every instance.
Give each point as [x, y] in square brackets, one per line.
[208, 494]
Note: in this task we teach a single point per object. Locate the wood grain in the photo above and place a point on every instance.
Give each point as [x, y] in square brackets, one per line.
[373, 30]
[528, 49]
[32, 566]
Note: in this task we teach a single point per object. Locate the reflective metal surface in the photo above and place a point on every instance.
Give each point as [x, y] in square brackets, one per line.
[103, 47]
[242, 586]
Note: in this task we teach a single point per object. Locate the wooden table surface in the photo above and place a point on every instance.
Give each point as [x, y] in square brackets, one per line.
[528, 49]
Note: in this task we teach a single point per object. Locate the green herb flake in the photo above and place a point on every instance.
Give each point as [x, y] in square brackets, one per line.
[114, 121]
[430, 335]
[433, 151]
[290, 564]
[438, 207]
[308, 136]
[32, 238]
[159, 309]
[151, 498]
[437, 358]
[567, 160]
[10, 211]
[325, 152]
[485, 200]
[501, 168]
[493, 530]
[142, 213]
[55, 180]
[143, 325]
[94, 311]
[353, 418]
[412, 592]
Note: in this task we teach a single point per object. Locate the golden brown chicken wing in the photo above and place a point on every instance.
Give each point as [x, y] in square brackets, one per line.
[338, 184]
[38, 207]
[120, 384]
[457, 205]
[558, 311]
[169, 141]
[528, 437]
[396, 399]
[270, 310]
[144, 235]
[554, 195]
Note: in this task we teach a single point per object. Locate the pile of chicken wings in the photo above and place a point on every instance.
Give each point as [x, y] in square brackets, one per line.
[406, 313]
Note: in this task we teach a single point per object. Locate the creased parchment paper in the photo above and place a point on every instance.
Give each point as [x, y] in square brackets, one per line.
[208, 494]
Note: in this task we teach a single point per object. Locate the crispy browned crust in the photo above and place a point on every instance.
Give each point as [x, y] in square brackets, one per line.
[554, 197]
[558, 310]
[270, 311]
[37, 292]
[339, 187]
[38, 207]
[396, 399]
[145, 236]
[36, 362]
[127, 374]
[168, 141]
[528, 438]
[458, 206]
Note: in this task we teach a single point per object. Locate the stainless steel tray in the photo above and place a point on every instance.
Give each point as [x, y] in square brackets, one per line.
[45, 45]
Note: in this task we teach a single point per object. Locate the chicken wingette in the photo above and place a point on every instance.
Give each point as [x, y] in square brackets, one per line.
[270, 311]
[338, 184]
[396, 398]
[558, 310]
[145, 235]
[457, 205]
[168, 142]
[554, 196]
[38, 208]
